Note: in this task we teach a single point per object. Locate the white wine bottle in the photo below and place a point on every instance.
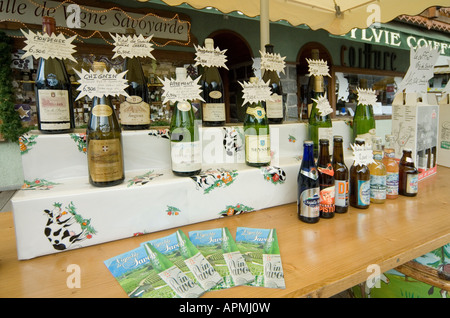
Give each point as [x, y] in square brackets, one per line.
[257, 137]
[53, 92]
[104, 142]
[274, 107]
[213, 109]
[185, 145]
[135, 110]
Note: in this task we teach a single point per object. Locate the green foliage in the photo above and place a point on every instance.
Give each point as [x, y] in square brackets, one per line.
[11, 127]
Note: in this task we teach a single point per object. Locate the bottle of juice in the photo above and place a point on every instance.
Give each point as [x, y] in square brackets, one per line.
[391, 168]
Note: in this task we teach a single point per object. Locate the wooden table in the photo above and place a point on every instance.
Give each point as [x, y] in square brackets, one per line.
[319, 260]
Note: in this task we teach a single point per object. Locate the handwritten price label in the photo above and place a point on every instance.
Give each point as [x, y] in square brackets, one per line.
[210, 58]
[132, 46]
[98, 84]
[46, 46]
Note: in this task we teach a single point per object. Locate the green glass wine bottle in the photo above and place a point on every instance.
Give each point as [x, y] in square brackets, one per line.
[274, 107]
[257, 135]
[364, 123]
[185, 142]
[320, 127]
[104, 142]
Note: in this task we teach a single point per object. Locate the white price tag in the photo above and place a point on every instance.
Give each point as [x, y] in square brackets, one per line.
[43, 45]
[97, 84]
[318, 68]
[272, 62]
[210, 58]
[366, 96]
[132, 46]
[176, 90]
[323, 105]
[256, 92]
[363, 155]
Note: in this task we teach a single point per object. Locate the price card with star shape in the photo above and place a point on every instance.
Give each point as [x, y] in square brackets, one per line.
[318, 68]
[366, 96]
[98, 84]
[272, 62]
[323, 105]
[362, 154]
[210, 58]
[42, 45]
[256, 92]
[132, 46]
[181, 90]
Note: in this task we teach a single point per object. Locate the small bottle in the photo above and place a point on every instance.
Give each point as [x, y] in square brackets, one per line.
[391, 165]
[185, 145]
[326, 181]
[308, 187]
[213, 109]
[275, 109]
[104, 142]
[377, 173]
[340, 176]
[359, 183]
[54, 103]
[257, 136]
[408, 184]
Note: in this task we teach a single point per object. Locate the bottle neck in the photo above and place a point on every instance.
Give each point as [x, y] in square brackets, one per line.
[318, 85]
[338, 152]
[308, 156]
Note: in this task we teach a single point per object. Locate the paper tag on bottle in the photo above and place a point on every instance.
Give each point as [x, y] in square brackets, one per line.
[177, 90]
[43, 45]
[256, 92]
[210, 58]
[323, 105]
[362, 154]
[318, 68]
[98, 84]
[132, 46]
[366, 96]
[272, 62]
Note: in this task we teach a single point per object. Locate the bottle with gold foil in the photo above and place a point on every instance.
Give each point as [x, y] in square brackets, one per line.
[104, 142]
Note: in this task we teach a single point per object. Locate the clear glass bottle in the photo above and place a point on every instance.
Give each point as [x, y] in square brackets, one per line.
[359, 183]
[377, 173]
[391, 165]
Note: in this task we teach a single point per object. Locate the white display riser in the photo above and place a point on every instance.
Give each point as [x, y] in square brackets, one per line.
[58, 203]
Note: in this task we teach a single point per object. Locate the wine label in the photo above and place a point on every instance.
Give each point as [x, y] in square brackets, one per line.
[181, 284]
[257, 148]
[412, 183]
[238, 268]
[186, 156]
[53, 107]
[309, 202]
[184, 106]
[392, 183]
[327, 195]
[275, 106]
[273, 271]
[341, 192]
[102, 110]
[203, 271]
[134, 111]
[105, 160]
[257, 112]
[214, 111]
[377, 187]
[363, 192]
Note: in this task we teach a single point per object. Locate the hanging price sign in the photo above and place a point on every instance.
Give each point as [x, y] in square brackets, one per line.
[363, 154]
[366, 96]
[210, 58]
[272, 62]
[323, 105]
[98, 84]
[179, 90]
[42, 45]
[256, 92]
[318, 68]
[132, 46]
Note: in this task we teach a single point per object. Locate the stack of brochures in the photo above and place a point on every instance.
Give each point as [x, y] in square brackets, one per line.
[181, 266]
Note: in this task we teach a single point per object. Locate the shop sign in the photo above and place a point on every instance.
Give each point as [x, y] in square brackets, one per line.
[368, 57]
[397, 39]
[92, 18]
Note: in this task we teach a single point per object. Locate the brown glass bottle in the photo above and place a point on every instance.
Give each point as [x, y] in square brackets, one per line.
[408, 175]
[326, 181]
[340, 176]
[359, 183]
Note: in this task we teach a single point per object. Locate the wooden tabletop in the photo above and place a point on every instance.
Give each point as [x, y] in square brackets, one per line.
[319, 260]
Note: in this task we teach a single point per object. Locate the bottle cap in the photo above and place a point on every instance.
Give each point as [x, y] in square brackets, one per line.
[407, 149]
[308, 142]
[360, 141]
[209, 43]
[253, 80]
[98, 66]
[323, 141]
[48, 25]
[338, 138]
[269, 48]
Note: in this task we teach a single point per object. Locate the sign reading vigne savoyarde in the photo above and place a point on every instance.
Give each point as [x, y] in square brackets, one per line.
[92, 18]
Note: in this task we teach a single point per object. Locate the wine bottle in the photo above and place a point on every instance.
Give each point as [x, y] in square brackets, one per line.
[274, 107]
[104, 142]
[185, 143]
[135, 110]
[364, 123]
[54, 102]
[320, 127]
[257, 136]
[213, 108]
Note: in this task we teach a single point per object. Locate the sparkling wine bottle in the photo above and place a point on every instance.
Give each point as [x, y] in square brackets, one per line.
[104, 142]
[53, 91]
[274, 108]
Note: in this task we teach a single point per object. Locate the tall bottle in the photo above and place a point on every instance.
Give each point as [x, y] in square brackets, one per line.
[359, 182]
[391, 165]
[340, 176]
[257, 135]
[364, 123]
[308, 193]
[408, 184]
[320, 127]
[184, 137]
[377, 173]
[135, 110]
[326, 181]
[104, 142]
[213, 109]
[275, 109]
[54, 102]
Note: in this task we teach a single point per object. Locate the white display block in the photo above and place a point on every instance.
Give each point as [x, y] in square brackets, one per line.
[415, 126]
[58, 210]
[444, 131]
